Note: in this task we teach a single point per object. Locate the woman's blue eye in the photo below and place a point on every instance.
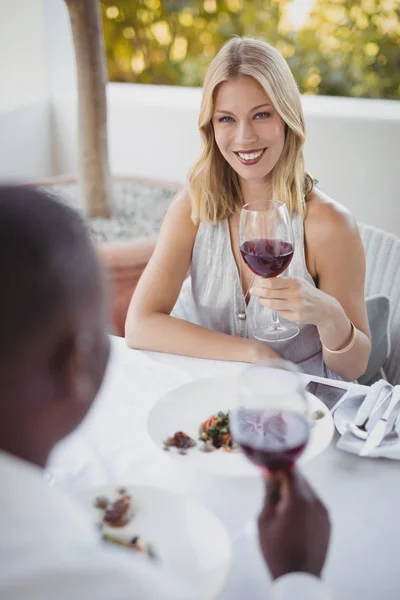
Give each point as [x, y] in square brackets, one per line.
[262, 115]
[225, 120]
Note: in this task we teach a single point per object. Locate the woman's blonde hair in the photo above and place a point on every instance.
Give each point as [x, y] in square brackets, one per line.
[214, 186]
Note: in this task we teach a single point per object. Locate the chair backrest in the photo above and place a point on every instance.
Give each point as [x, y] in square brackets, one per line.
[382, 252]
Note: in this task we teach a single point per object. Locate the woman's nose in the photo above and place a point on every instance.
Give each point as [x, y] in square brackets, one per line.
[246, 133]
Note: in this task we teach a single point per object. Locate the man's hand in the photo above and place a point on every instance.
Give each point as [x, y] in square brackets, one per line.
[294, 527]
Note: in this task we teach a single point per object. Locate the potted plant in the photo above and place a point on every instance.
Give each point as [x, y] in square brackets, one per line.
[123, 254]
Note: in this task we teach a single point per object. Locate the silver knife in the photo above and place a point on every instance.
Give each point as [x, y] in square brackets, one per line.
[378, 432]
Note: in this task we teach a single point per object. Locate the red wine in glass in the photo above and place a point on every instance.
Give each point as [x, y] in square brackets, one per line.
[271, 439]
[267, 257]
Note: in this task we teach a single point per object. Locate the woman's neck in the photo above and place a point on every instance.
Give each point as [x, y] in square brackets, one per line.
[254, 190]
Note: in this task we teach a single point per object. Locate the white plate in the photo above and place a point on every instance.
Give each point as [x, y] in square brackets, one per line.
[179, 531]
[186, 407]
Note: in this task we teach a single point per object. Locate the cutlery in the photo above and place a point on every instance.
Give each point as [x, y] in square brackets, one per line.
[359, 429]
[378, 433]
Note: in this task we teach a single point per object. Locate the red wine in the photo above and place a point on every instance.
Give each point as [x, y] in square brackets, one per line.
[270, 438]
[267, 257]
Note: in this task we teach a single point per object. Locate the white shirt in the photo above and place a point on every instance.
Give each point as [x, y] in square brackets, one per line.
[49, 550]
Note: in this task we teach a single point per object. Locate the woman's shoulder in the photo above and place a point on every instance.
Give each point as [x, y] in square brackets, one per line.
[181, 202]
[180, 210]
[326, 218]
[178, 229]
[330, 229]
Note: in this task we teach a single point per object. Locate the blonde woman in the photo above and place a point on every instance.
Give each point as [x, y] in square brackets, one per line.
[252, 127]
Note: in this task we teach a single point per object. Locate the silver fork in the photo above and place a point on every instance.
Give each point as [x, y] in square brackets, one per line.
[360, 431]
[392, 434]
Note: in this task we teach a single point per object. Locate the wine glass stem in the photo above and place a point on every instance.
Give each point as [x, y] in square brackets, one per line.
[276, 325]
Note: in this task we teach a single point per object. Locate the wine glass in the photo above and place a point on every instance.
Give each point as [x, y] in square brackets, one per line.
[271, 422]
[267, 245]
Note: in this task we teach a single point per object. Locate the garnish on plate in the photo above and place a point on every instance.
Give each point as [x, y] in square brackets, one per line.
[181, 441]
[318, 414]
[117, 513]
[216, 434]
[135, 543]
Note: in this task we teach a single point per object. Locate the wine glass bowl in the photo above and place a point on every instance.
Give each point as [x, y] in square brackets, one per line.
[267, 257]
[272, 422]
[267, 247]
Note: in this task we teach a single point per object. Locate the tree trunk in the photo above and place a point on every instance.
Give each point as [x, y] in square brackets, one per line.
[94, 171]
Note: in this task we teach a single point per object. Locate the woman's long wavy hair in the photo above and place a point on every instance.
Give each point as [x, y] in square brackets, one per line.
[214, 186]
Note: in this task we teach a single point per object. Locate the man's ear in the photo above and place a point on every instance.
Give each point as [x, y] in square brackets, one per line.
[62, 359]
[83, 384]
[69, 366]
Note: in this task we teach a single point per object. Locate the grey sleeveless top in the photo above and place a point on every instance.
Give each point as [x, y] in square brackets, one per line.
[212, 296]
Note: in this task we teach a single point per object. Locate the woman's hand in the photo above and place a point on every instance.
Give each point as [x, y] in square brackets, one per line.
[295, 299]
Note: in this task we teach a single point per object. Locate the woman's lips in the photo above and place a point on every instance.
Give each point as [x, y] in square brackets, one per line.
[250, 158]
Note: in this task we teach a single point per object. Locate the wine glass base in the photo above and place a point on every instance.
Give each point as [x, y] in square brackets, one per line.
[276, 334]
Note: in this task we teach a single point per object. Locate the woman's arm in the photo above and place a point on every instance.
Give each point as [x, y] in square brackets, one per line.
[149, 325]
[335, 259]
[336, 251]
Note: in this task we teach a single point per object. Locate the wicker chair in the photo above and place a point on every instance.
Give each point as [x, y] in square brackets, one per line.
[382, 251]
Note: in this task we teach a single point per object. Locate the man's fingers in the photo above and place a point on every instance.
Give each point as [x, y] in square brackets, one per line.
[273, 491]
[295, 488]
[272, 496]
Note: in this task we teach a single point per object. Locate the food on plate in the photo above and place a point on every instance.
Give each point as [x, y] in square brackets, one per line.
[135, 543]
[117, 513]
[318, 414]
[101, 502]
[180, 440]
[215, 433]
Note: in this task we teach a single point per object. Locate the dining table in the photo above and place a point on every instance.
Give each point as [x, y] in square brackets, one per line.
[112, 446]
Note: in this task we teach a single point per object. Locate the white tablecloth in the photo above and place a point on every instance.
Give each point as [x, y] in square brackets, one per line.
[112, 447]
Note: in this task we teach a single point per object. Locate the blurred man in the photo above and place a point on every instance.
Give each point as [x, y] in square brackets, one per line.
[53, 354]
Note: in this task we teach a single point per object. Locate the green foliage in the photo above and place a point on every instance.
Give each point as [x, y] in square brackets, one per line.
[345, 48]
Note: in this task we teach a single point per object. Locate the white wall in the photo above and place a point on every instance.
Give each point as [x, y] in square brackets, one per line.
[62, 85]
[153, 130]
[353, 146]
[23, 70]
[25, 148]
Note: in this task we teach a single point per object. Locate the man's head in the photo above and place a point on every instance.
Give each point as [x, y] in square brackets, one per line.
[53, 342]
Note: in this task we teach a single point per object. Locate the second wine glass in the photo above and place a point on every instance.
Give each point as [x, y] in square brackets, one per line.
[267, 247]
[272, 420]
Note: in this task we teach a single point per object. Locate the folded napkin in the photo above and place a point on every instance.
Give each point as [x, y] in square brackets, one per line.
[372, 407]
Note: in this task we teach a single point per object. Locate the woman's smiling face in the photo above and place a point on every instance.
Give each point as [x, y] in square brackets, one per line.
[249, 132]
